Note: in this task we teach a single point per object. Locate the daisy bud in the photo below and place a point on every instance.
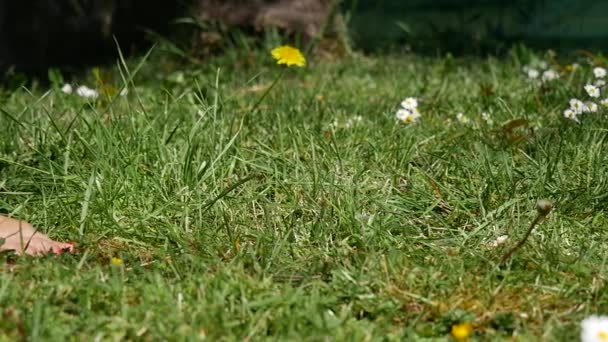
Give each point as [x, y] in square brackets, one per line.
[544, 207]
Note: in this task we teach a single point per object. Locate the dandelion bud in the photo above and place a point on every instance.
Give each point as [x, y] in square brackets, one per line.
[544, 207]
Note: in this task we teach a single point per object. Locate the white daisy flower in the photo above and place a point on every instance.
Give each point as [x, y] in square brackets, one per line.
[599, 72]
[594, 329]
[577, 106]
[533, 73]
[599, 83]
[604, 102]
[407, 116]
[334, 124]
[498, 241]
[487, 118]
[353, 121]
[570, 114]
[402, 114]
[67, 88]
[590, 107]
[87, 92]
[462, 118]
[409, 103]
[592, 90]
[549, 75]
[411, 118]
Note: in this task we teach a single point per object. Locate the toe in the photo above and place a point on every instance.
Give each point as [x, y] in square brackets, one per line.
[61, 247]
[39, 245]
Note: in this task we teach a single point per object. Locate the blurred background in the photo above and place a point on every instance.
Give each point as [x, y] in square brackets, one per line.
[43, 34]
[479, 26]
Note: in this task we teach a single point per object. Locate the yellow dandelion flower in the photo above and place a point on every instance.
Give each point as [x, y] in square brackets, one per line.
[462, 332]
[289, 56]
[116, 261]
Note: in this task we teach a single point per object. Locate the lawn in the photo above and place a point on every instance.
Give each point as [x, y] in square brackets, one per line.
[313, 216]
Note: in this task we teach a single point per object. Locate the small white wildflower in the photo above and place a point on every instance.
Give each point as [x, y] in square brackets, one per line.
[550, 75]
[87, 92]
[543, 65]
[409, 103]
[590, 107]
[498, 241]
[402, 114]
[577, 106]
[599, 72]
[570, 114]
[334, 124]
[599, 83]
[407, 116]
[413, 117]
[487, 118]
[353, 121]
[533, 73]
[592, 90]
[594, 329]
[462, 118]
[604, 102]
[67, 88]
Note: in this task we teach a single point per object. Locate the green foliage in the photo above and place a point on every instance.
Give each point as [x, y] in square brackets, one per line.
[56, 78]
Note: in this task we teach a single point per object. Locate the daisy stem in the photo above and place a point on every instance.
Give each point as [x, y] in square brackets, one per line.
[542, 214]
[274, 83]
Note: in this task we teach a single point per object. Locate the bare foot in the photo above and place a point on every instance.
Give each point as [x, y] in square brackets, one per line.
[21, 237]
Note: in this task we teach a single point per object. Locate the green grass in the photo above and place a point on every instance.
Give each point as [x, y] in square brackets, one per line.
[278, 225]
